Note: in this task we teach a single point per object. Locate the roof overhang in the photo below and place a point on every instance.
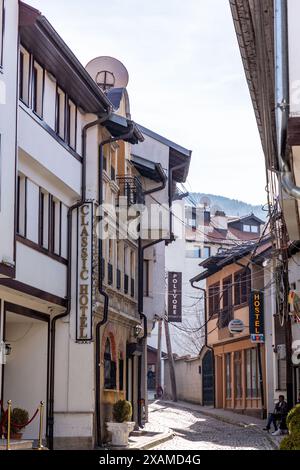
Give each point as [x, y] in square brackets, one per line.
[179, 157]
[39, 37]
[118, 125]
[146, 168]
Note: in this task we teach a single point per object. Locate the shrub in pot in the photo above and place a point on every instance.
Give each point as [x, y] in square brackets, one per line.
[292, 441]
[122, 425]
[19, 418]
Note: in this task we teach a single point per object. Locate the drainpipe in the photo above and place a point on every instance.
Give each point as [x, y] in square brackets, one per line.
[69, 274]
[101, 290]
[281, 28]
[206, 321]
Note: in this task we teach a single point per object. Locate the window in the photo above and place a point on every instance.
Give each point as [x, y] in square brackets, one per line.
[71, 124]
[37, 85]
[194, 253]
[226, 313]
[1, 31]
[242, 286]
[251, 228]
[109, 368]
[54, 225]
[206, 252]
[43, 239]
[21, 205]
[281, 374]
[252, 375]
[146, 278]
[60, 113]
[228, 375]
[24, 75]
[214, 299]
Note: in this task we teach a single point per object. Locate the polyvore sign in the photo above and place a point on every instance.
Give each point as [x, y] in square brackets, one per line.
[256, 312]
[175, 297]
[84, 272]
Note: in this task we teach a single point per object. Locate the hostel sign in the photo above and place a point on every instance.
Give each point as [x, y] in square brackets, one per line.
[84, 272]
[256, 317]
[175, 297]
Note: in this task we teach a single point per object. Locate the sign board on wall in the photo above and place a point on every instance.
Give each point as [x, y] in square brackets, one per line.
[84, 309]
[175, 297]
[256, 317]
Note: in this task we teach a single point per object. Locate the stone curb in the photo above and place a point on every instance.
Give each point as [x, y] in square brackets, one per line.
[153, 442]
[228, 420]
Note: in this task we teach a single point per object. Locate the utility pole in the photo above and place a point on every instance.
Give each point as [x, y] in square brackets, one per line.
[171, 361]
[158, 360]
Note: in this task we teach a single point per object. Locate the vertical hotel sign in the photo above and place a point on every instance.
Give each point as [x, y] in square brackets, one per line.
[175, 297]
[84, 272]
[256, 317]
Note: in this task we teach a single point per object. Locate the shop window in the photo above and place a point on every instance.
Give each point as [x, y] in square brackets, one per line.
[242, 286]
[214, 299]
[238, 375]
[109, 368]
[24, 75]
[228, 375]
[252, 374]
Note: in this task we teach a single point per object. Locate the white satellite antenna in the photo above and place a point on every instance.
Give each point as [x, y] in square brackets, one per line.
[108, 72]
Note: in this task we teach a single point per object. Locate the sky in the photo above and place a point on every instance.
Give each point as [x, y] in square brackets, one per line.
[186, 80]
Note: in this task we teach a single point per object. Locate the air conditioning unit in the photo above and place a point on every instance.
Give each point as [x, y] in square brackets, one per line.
[281, 351]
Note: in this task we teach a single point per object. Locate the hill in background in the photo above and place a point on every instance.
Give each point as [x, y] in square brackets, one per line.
[231, 207]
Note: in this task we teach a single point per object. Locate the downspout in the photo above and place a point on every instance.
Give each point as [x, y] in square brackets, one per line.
[141, 250]
[69, 274]
[206, 334]
[101, 290]
[281, 29]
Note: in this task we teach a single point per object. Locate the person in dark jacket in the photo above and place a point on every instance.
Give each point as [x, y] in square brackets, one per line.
[279, 415]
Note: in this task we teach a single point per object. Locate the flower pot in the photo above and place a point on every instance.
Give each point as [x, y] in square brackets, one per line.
[120, 432]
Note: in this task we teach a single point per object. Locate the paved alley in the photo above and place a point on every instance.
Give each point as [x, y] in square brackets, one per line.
[194, 431]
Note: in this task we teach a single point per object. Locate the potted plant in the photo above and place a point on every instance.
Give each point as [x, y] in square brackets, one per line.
[19, 418]
[122, 425]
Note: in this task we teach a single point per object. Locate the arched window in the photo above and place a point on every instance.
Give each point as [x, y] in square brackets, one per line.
[109, 368]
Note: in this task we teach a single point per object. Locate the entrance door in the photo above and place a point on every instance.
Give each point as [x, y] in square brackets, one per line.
[208, 379]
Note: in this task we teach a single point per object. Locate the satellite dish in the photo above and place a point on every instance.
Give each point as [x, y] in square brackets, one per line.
[108, 72]
[205, 202]
[236, 326]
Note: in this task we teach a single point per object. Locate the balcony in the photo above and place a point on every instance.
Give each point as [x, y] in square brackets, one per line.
[126, 283]
[118, 279]
[110, 274]
[225, 317]
[131, 189]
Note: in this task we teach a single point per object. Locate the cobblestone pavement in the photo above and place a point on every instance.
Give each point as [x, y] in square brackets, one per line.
[194, 431]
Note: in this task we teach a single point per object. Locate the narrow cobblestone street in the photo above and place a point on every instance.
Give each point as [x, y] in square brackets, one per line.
[194, 431]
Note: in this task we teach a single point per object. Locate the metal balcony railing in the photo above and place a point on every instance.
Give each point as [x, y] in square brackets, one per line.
[226, 316]
[131, 188]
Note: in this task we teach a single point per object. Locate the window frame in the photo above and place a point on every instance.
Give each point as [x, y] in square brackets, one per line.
[239, 297]
[34, 87]
[213, 304]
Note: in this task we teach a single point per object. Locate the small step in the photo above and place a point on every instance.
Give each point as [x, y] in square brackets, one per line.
[16, 444]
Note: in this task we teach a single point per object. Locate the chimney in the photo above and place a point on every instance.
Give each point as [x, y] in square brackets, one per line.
[220, 220]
